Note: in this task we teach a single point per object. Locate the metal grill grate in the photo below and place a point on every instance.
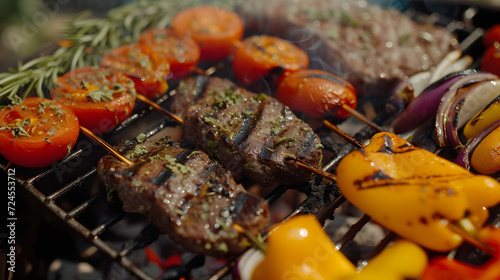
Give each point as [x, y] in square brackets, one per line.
[76, 175]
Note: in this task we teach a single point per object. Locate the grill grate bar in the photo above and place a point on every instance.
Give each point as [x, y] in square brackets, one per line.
[82, 207]
[74, 184]
[351, 233]
[380, 246]
[146, 237]
[101, 245]
[108, 223]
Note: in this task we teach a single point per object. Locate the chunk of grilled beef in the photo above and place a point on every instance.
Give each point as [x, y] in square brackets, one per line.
[248, 133]
[186, 195]
[371, 47]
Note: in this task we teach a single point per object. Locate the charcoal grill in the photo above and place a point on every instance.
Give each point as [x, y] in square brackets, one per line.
[74, 178]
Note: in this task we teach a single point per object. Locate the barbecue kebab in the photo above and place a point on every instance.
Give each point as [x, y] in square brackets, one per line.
[248, 133]
[186, 195]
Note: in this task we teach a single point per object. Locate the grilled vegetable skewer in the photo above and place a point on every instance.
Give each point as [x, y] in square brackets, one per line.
[420, 193]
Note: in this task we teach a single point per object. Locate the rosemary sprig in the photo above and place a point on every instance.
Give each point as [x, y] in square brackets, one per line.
[87, 38]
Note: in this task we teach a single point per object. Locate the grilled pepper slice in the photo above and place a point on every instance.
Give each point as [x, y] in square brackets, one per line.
[445, 268]
[415, 193]
[486, 157]
[487, 116]
[300, 249]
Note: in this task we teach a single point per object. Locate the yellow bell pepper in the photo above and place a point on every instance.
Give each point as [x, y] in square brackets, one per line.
[413, 192]
[482, 119]
[401, 260]
[300, 249]
[486, 157]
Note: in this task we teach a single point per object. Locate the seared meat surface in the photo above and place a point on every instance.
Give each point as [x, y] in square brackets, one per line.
[248, 133]
[186, 195]
[371, 47]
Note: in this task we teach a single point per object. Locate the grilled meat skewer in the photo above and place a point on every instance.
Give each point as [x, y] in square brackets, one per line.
[186, 195]
[248, 133]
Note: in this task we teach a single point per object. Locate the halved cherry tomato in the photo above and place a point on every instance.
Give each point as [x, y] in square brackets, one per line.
[182, 52]
[149, 74]
[491, 59]
[317, 93]
[37, 132]
[101, 98]
[215, 29]
[259, 56]
[492, 35]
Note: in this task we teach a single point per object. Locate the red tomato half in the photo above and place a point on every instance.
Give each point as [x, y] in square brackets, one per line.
[149, 74]
[37, 132]
[101, 98]
[491, 60]
[317, 93]
[180, 51]
[258, 56]
[492, 35]
[215, 29]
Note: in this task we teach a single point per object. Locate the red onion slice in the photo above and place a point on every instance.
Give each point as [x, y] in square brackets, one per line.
[412, 87]
[446, 103]
[463, 157]
[426, 105]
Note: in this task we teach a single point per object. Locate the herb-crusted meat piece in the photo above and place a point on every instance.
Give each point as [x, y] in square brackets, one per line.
[186, 195]
[248, 133]
[371, 47]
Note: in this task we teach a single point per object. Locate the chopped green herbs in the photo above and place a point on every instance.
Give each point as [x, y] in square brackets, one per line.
[176, 167]
[101, 95]
[140, 138]
[225, 98]
[284, 140]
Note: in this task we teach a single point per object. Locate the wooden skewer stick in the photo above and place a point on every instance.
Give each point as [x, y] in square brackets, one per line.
[160, 109]
[259, 244]
[157, 107]
[315, 170]
[105, 145]
[362, 118]
[344, 135]
[207, 72]
[8, 165]
[469, 235]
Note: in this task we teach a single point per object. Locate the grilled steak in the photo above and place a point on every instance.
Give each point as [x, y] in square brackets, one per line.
[248, 133]
[186, 195]
[371, 47]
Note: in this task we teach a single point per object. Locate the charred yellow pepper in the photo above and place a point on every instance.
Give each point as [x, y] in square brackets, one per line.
[413, 192]
[401, 260]
[486, 157]
[300, 249]
[485, 117]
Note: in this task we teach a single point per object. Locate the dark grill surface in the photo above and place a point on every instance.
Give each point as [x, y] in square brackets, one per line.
[83, 208]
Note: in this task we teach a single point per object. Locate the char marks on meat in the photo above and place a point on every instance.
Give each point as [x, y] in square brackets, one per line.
[249, 134]
[186, 195]
[371, 47]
